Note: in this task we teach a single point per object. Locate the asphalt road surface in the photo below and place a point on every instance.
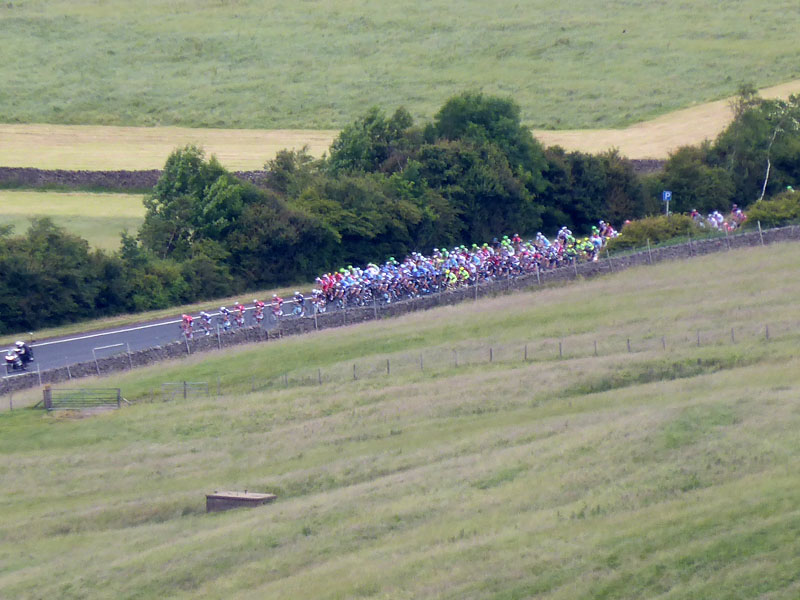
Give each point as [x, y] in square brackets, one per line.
[58, 352]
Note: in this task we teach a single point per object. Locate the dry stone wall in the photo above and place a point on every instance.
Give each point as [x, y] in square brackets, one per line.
[299, 326]
[146, 179]
[105, 180]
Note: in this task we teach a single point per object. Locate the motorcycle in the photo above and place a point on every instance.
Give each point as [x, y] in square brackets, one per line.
[14, 362]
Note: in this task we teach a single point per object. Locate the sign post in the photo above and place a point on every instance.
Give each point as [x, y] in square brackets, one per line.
[666, 196]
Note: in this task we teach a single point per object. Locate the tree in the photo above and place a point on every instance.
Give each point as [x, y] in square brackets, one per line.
[478, 182]
[175, 209]
[762, 130]
[367, 144]
[694, 183]
[487, 119]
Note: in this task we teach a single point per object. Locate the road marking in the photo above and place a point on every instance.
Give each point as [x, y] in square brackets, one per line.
[94, 335]
[129, 329]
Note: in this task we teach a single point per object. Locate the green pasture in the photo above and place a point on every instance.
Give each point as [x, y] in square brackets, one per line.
[243, 63]
[98, 218]
[656, 473]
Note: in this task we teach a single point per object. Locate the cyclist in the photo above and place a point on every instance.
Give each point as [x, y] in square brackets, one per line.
[259, 312]
[238, 308]
[299, 304]
[205, 321]
[186, 326]
[225, 318]
[276, 305]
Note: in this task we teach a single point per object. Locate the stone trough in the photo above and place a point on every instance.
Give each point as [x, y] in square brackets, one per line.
[219, 501]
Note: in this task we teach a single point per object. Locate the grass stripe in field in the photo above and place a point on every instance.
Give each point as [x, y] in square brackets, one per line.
[98, 218]
[100, 148]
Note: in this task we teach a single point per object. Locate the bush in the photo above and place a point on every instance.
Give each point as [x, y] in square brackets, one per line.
[778, 210]
[656, 229]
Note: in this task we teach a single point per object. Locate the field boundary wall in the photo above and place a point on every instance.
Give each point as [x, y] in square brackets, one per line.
[26, 177]
[308, 324]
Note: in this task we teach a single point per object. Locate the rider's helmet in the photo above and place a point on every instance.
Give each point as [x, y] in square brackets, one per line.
[274, 295]
[255, 300]
[19, 343]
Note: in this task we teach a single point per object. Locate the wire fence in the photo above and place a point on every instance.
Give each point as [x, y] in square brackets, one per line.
[431, 362]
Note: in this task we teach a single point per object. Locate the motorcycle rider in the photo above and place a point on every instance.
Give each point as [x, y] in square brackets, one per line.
[24, 352]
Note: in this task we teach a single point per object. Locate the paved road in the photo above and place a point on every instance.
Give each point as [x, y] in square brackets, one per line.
[58, 352]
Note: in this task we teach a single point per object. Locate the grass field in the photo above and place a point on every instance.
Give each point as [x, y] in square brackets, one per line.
[106, 148]
[96, 147]
[652, 474]
[249, 64]
[98, 218]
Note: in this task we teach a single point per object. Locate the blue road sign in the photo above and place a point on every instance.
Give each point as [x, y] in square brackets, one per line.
[666, 196]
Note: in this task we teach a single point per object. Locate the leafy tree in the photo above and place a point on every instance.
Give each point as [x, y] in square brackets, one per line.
[367, 144]
[760, 149]
[175, 209]
[291, 172]
[576, 189]
[624, 194]
[488, 119]
[479, 183]
[781, 209]
[694, 183]
[273, 243]
[48, 276]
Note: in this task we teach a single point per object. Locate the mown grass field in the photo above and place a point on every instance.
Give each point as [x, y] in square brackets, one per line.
[107, 148]
[103, 147]
[248, 64]
[96, 217]
[657, 473]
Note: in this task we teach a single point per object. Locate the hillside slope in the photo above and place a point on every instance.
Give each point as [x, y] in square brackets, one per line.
[663, 471]
[98, 148]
